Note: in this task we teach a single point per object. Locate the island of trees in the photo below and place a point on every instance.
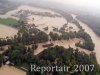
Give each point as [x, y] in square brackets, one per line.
[20, 55]
[20, 52]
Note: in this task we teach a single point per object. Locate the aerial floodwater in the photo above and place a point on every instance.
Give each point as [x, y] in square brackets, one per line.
[40, 21]
[6, 31]
[51, 20]
[94, 36]
[8, 70]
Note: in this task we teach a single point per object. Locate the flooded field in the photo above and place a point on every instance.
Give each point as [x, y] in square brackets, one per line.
[13, 13]
[64, 43]
[6, 31]
[9, 70]
[95, 38]
[50, 20]
[40, 22]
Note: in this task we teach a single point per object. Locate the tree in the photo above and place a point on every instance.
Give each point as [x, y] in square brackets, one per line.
[65, 36]
[34, 46]
[41, 37]
[88, 43]
[54, 36]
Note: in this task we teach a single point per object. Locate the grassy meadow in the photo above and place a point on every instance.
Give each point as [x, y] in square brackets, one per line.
[8, 21]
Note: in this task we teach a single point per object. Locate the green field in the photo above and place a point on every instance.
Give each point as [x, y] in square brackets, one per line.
[8, 21]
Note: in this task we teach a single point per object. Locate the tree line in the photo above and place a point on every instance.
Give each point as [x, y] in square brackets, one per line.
[62, 56]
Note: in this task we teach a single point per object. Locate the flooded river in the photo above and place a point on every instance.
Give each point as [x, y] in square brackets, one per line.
[9, 70]
[95, 38]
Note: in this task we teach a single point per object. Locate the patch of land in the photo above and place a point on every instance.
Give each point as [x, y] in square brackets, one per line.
[44, 19]
[63, 43]
[8, 21]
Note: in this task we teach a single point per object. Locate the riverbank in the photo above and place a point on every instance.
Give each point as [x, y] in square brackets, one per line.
[95, 38]
[51, 22]
[92, 21]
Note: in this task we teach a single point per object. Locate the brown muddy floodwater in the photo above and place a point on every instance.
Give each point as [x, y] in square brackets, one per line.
[94, 36]
[6, 31]
[42, 22]
[9, 70]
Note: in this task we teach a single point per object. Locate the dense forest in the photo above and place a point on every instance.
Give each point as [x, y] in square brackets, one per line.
[20, 57]
[62, 57]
